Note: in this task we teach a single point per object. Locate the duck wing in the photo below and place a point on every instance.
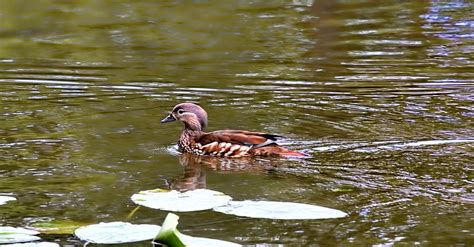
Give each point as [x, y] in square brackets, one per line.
[239, 137]
[239, 143]
[233, 143]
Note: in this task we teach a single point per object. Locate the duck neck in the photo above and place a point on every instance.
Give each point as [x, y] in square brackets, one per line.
[192, 126]
[186, 141]
[191, 130]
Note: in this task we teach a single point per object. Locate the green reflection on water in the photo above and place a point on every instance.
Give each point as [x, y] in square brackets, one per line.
[84, 84]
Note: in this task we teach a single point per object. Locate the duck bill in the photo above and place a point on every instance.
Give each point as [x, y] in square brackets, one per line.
[168, 119]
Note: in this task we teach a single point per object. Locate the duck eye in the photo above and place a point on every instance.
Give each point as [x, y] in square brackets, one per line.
[180, 111]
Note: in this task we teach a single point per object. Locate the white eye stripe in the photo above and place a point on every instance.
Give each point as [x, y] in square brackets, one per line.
[180, 111]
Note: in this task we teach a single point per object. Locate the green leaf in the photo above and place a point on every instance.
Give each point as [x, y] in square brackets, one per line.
[10, 234]
[116, 232]
[195, 200]
[57, 226]
[208, 242]
[279, 210]
[168, 234]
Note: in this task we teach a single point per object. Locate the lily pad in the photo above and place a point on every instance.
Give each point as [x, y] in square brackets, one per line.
[5, 199]
[208, 242]
[34, 244]
[194, 200]
[57, 226]
[116, 232]
[170, 236]
[279, 210]
[10, 234]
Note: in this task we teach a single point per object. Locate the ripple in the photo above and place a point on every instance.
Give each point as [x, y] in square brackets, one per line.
[379, 97]
[39, 81]
[387, 145]
[404, 145]
[375, 53]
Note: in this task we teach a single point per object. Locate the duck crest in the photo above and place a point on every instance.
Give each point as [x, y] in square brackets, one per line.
[221, 143]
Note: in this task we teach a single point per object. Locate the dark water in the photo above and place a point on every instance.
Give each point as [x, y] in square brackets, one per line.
[379, 94]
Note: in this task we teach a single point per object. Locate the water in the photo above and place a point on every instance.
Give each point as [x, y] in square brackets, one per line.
[379, 95]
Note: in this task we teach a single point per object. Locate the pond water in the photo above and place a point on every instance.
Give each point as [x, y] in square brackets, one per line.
[379, 95]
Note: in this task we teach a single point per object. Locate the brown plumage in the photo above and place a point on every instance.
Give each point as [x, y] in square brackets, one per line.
[222, 143]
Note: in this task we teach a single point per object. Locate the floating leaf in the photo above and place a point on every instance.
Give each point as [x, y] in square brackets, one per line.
[194, 200]
[34, 244]
[168, 234]
[208, 242]
[116, 232]
[10, 234]
[57, 226]
[279, 210]
[5, 199]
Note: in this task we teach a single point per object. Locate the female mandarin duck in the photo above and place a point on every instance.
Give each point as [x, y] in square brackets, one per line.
[223, 143]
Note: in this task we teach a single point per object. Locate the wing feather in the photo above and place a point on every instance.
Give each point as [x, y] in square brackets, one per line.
[240, 137]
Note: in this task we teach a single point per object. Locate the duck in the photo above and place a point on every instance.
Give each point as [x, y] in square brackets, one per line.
[222, 143]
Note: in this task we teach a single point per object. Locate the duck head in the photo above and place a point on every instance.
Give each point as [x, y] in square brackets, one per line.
[192, 115]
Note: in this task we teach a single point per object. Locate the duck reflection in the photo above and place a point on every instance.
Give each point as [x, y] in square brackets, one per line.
[196, 167]
[194, 176]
